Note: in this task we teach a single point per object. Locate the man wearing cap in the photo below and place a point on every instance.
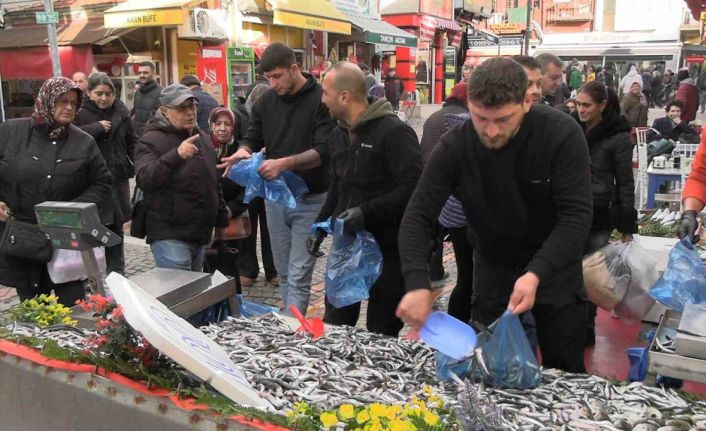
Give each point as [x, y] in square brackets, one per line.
[175, 165]
[206, 102]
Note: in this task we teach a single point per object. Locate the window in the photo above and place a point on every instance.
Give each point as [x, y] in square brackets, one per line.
[509, 4]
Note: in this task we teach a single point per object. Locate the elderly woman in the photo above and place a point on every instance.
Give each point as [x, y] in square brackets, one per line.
[107, 119]
[46, 158]
[176, 168]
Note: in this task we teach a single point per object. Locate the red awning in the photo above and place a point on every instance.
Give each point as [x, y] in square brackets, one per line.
[35, 63]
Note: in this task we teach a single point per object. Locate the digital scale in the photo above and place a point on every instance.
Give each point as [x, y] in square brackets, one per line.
[77, 226]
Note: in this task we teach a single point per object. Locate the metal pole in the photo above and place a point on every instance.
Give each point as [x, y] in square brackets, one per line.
[527, 26]
[53, 45]
[2, 101]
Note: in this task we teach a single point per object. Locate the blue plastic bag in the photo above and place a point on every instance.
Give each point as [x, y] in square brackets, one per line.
[446, 366]
[684, 281]
[284, 190]
[254, 309]
[354, 264]
[509, 359]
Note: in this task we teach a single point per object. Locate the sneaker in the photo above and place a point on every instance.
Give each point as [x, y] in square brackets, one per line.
[246, 281]
[274, 281]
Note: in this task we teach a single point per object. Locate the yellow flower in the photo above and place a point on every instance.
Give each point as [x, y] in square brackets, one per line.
[362, 417]
[52, 298]
[416, 401]
[428, 391]
[346, 412]
[68, 321]
[431, 418]
[393, 412]
[378, 410]
[301, 407]
[328, 419]
[43, 297]
[400, 425]
[374, 426]
[33, 303]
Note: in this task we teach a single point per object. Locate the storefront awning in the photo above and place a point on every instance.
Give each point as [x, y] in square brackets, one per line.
[35, 63]
[74, 33]
[381, 32]
[147, 13]
[309, 15]
[623, 52]
[430, 24]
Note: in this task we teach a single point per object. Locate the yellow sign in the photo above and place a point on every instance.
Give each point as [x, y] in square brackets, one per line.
[144, 18]
[506, 27]
[187, 57]
[311, 22]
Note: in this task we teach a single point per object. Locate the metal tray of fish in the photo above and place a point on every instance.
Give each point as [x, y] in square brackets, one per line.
[664, 360]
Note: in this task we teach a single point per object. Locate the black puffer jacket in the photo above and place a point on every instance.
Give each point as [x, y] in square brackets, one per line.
[610, 147]
[146, 103]
[183, 197]
[207, 103]
[435, 126]
[118, 145]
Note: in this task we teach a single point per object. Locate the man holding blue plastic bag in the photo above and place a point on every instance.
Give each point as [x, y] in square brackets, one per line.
[376, 162]
[294, 125]
[522, 174]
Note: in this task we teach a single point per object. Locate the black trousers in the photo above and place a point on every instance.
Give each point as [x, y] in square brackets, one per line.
[385, 296]
[115, 255]
[561, 326]
[36, 281]
[461, 296]
[247, 259]
[436, 260]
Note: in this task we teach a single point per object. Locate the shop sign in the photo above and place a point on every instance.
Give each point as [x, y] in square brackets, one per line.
[507, 28]
[386, 39]
[241, 53]
[47, 17]
[438, 8]
[178, 339]
[694, 58]
[358, 7]
[477, 41]
[144, 18]
[311, 22]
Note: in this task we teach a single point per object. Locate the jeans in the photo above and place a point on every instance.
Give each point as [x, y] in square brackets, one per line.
[702, 100]
[289, 229]
[175, 254]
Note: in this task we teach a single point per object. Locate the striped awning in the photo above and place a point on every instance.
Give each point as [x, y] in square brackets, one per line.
[430, 24]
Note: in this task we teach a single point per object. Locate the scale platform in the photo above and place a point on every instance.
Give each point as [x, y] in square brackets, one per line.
[183, 292]
[677, 364]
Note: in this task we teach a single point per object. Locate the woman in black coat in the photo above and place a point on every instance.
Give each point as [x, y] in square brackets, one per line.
[46, 158]
[610, 147]
[107, 119]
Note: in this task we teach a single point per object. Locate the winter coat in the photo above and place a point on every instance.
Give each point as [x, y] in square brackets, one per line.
[610, 147]
[435, 126]
[145, 104]
[646, 81]
[576, 79]
[635, 108]
[34, 169]
[627, 81]
[184, 199]
[695, 186]
[206, 104]
[375, 166]
[668, 130]
[242, 119]
[689, 96]
[118, 145]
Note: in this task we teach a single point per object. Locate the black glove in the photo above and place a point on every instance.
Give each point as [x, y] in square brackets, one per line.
[688, 226]
[313, 243]
[352, 220]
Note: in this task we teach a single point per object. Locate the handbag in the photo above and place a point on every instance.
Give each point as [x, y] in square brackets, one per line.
[238, 227]
[25, 241]
[138, 222]
[67, 265]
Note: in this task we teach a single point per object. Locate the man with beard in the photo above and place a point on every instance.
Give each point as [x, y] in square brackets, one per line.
[534, 77]
[376, 163]
[146, 97]
[292, 122]
[524, 184]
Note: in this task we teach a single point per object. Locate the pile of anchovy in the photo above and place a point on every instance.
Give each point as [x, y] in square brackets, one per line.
[351, 365]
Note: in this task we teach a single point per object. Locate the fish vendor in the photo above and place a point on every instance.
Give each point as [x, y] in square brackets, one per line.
[522, 174]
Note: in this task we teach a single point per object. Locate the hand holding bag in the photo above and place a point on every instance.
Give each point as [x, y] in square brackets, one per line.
[25, 241]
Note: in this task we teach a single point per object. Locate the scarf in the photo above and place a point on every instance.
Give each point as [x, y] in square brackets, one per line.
[51, 91]
[212, 119]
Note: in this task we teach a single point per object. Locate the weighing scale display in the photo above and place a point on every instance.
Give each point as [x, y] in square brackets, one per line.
[66, 219]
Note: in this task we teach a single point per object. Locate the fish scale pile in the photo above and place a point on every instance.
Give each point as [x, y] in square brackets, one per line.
[350, 365]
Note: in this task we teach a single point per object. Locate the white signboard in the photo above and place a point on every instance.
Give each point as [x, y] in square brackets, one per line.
[176, 338]
[359, 7]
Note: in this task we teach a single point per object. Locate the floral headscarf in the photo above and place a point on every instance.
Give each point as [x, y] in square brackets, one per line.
[51, 91]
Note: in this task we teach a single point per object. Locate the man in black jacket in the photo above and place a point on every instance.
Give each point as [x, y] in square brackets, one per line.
[671, 125]
[522, 173]
[207, 103]
[292, 122]
[551, 79]
[376, 164]
[146, 97]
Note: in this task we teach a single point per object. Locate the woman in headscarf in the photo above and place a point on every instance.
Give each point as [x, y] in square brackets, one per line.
[46, 158]
[107, 119]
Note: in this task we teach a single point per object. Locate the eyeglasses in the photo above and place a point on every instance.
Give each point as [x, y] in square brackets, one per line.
[193, 106]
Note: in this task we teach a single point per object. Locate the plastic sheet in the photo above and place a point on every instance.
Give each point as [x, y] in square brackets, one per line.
[354, 264]
[508, 356]
[67, 265]
[684, 281]
[284, 190]
[254, 309]
[618, 278]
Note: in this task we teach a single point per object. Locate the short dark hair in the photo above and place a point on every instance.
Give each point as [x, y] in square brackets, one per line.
[599, 93]
[100, 78]
[547, 58]
[147, 64]
[678, 103]
[277, 55]
[496, 82]
[349, 77]
[527, 61]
